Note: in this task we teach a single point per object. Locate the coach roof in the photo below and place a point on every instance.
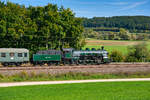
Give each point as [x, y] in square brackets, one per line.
[20, 50]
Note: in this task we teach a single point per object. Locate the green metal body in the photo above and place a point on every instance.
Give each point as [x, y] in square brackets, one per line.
[68, 55]
[15, 58]
[40, 57]
[91, 56]
[106, 60]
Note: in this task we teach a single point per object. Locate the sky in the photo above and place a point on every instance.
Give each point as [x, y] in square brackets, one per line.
[96, 8]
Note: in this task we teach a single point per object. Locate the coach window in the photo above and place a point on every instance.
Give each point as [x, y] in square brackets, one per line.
[19, 54]
[3, 54]
[25, 54]
[11, 54]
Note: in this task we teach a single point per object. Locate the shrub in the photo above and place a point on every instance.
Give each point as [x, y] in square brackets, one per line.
[23, 75]
[131, 59]
[138, 53]
[116, 56]
[33, 75]
[1, 76]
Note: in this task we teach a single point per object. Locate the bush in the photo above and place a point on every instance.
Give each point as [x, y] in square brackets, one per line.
[1, 76]
[116, 56]
[131, 59]
[138, 53]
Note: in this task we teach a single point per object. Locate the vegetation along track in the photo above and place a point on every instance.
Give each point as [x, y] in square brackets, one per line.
[113, 68]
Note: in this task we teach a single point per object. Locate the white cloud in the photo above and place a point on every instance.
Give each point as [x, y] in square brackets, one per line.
[134, 5]
[118, 3]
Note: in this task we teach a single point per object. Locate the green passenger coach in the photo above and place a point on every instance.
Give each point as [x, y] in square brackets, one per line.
[13, 56]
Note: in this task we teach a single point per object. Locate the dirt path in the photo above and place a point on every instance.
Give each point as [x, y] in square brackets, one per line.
[69, 82]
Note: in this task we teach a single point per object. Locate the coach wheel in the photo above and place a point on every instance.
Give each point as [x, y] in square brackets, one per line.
[5, 64]
[49, 64]
[41, 64]
[57, 63]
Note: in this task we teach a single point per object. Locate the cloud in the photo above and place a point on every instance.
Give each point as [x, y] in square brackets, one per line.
[118, 3]
[134, 5]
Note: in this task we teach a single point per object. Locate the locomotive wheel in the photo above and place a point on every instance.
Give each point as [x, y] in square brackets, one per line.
[77, 62]
[99, 62]
[71, 62]
[92, 62]
[84, 62]
[17, 64]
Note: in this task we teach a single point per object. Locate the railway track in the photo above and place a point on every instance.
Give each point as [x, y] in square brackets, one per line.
[112, 65]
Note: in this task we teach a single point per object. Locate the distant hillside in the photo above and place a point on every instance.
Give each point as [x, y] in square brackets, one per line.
[132, 23]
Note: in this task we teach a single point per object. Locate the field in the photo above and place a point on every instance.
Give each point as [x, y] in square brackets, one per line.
[111, 45]
[82, 91]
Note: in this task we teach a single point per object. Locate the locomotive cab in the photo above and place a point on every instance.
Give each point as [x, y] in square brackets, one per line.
[67, 55]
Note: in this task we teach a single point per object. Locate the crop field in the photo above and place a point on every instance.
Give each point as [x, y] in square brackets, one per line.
[80, 91]
[111, 45]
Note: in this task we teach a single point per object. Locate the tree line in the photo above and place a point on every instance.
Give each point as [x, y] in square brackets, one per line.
[139, 24]
[104, 33]
[136, 53]
[38, 28]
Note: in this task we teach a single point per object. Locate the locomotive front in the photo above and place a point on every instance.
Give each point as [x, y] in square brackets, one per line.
[93, 56]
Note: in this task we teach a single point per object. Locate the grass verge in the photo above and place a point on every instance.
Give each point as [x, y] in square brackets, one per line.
[24, 76]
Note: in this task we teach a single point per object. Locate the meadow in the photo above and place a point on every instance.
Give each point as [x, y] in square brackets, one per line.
[80, 91]
[111, 45]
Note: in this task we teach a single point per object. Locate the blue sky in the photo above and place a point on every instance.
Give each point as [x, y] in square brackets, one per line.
[98, 8]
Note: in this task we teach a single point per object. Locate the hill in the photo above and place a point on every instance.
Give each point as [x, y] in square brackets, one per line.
[138, 24]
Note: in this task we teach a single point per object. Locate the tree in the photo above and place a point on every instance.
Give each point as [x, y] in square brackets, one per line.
[38, 28]
[123, 34]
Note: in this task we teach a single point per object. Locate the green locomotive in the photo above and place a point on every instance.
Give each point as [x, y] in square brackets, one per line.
[71, 56]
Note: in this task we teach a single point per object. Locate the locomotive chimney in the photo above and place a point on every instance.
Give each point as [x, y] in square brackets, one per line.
[102, 47]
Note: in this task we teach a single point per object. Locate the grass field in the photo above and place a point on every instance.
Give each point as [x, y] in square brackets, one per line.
[82, 91]
[111, 45]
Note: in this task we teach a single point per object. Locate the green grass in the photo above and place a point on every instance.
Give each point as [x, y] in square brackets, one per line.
[110, 48]
[123, 49]
[82, 91]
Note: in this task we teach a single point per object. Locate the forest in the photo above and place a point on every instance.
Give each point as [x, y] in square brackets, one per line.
[36, 28]
[117, 28]
[135, 24]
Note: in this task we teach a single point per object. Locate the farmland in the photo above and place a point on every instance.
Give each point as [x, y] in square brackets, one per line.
[84, 91]
[111, 45]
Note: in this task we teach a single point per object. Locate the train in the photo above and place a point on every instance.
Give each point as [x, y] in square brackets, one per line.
[18, 56]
